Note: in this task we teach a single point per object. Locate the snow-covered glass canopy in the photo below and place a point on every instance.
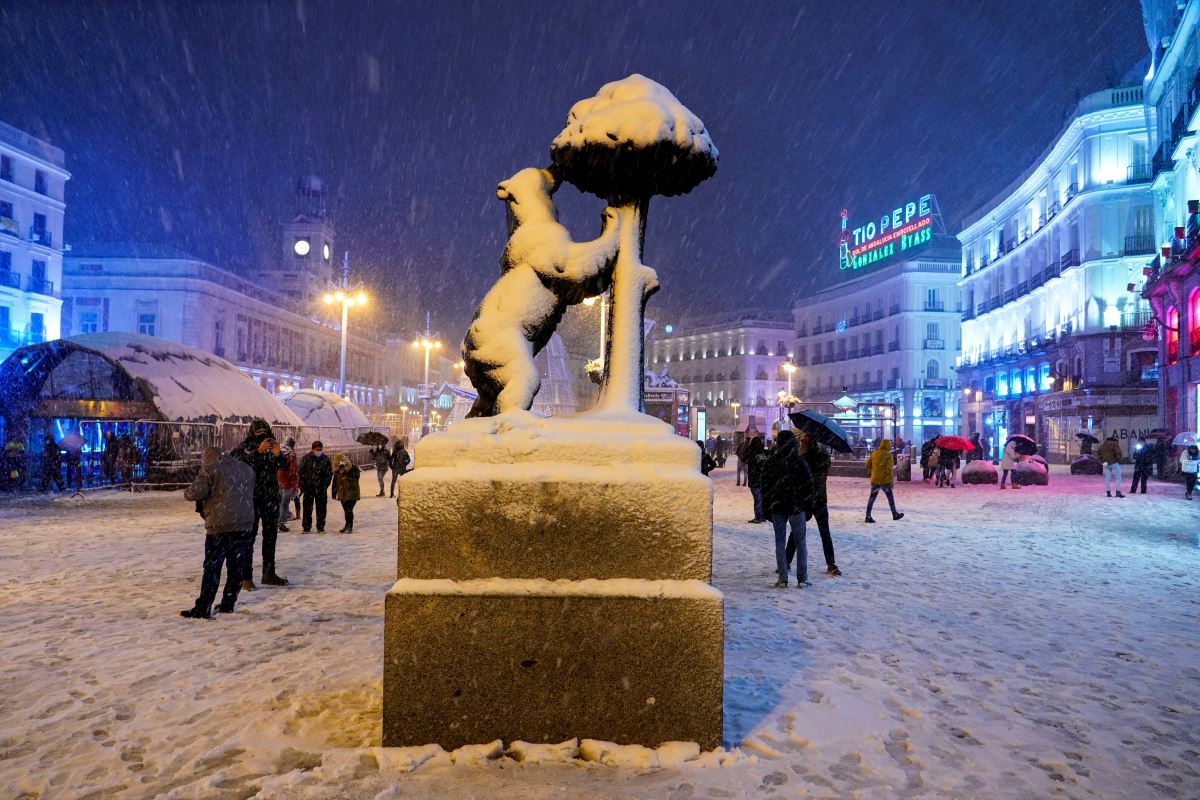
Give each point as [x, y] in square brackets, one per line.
[323, 409]
[131, 376]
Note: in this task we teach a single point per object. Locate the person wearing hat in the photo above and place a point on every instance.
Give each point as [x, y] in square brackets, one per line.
[224, 495]
[261, 452]
[315, 473]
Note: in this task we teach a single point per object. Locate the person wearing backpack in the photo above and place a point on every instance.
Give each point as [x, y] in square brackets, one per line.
[788, 497]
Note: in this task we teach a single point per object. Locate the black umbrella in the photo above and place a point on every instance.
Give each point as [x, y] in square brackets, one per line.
[1025, 445]
[823, 429]
[1087, 437]
[372, 438]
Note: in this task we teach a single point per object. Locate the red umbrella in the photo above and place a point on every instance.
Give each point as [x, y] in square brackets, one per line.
[955, 443]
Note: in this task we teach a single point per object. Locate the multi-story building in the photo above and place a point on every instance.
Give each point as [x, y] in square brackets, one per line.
[1051, 337]
[154, 291]
[889, 334]
[738, 359]
[33, 181]
[1172, 283]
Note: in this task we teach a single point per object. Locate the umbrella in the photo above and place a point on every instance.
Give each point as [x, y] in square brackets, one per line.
[1087, 437]
[372, 438]
[823, 429]
[955, 443]
[1184, 440]
[1025, 445]
[72, 442]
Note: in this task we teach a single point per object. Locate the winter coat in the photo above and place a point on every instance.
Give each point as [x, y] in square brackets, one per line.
[926, 452]
[1143, 455]
[787, 483]
[315, 473]
[935, 457]
[266, 465]
[289, 478]
[1189, 463]
[382, 459]
[818, 464]
[345, 480]
[707, 464]
[1011, 456]
[400, 460]
[1109, 452]
[224, 493]
[880, 465]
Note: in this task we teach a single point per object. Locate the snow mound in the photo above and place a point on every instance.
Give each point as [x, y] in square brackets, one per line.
[528, 753]
[611, 754]
[980, 472]
[1031, 473]
[1087, 464]
[324, 409]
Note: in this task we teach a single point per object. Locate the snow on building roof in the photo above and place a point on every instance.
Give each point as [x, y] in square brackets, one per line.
[324, 409]
[186, 384]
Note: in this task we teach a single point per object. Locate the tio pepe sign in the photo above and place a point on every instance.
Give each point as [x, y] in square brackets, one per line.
[906, 227]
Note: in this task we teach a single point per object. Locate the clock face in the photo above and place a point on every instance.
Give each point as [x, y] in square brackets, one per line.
[301, 247]
[325, 251]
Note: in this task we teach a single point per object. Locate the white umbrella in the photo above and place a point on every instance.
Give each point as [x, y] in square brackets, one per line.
[72, 442]
[1184, 439]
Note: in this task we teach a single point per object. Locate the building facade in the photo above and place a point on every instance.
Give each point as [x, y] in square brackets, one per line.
[889, 334]
[1172, 279]
[183, 299]
[1052, 341]
[33, 179]
[738, 360]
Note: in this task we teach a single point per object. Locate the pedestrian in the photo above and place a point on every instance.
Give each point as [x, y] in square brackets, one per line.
[51, 465]
[818, 464]
[315, 473]
[345, 488]
[224, 495]
[128, 458]
[1143, 461]
[976, 451]
[1008, 464]
[882, 470]
[262, 453]
[707, 464]
[935, 466]
[787, 492]
[950, 461]
[289, 483]
[108, 459]
[1110, 455]
[755, 458]
[926, 452]
[382, 459]
[743, 456]
[1189, 465]
[399, 462]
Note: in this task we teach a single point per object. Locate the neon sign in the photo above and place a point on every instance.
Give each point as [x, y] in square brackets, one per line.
[906, 227]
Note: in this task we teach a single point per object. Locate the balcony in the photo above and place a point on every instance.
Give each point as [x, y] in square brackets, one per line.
[935, 383]
[1162, 159]
[10, 280]
[817, 359]
[893, 346]
[40, 286]
[895, 383]
[42, 237]
[801, 332]
[852, 354]
[931, 305]
[1070, 259]
[1010, 295]
[854, 321]
[1023, 287]
[1139, 245]
[1138, 173]
[968, 314]
[876, 349]
[935, 344]
[878, 315]
[1135, 320]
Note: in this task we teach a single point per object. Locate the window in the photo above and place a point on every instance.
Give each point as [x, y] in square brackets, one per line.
[146, 324]
[6, 212]
[933, 331]
[932, 370]
[37, 327]
[780, 348]
[6, 168]
[5, 261]
[5, 321]
[39, 225]
[760, 375]
[89, 322]
[38, 271]
[219, 337]
[1172, 335]
[1193, 311]
[762, 347]
[39, 182]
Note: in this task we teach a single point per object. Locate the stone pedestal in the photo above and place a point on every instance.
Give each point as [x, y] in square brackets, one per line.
[554, 584]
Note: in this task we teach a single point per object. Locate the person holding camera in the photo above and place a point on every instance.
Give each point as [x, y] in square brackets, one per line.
[262, 453]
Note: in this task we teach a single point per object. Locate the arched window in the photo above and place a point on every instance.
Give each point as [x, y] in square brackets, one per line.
[1172, 335]
[1193, 310]
[931, 369]
[736, 375]
[760, 375]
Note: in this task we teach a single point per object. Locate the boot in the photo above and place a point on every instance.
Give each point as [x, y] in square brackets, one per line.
[349, 529]
[225, 609]
[1109, 494]
[194, 613]
[1119, 493]
[898, 515]
[832, 569]
[283, 528]
[248, 585]
[271, 579]
[869, 519]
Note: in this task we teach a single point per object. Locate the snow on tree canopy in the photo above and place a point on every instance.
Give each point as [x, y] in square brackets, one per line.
[324, 409]
[633, 139]
[183, 383]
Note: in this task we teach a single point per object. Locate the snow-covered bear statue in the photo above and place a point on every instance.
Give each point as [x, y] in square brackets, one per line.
[541, 273]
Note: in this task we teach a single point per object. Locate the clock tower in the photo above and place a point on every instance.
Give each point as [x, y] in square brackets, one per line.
[306, 263]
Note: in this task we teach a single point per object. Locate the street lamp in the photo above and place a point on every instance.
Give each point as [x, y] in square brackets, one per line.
[735, 405]
[347, 300]
[790, 369]
[404, 420]
[428, 344]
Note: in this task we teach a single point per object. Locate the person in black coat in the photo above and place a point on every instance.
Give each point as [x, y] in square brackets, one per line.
[1144, 456]
[399, 463]
[316, 473]
[818, 464]
[788, 497]
[707, 464]
[755, 458]
[262, 453]
[51, 465]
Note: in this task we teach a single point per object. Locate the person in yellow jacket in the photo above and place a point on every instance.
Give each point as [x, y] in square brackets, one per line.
[881, 468]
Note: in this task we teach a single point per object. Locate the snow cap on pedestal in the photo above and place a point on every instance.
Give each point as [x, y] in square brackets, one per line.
[633, 139]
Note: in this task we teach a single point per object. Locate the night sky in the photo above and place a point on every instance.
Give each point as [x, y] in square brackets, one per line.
[187, 123]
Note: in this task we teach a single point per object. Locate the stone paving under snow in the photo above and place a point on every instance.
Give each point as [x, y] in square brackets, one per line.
[1040, 643]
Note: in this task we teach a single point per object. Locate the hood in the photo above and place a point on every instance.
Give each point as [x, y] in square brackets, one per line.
[885, 445]
[340, 461]
[211, 456]
[257, 424]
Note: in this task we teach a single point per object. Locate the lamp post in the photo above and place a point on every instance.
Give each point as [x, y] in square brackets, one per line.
[347, 300]
[404, 421]
[790, 369]
[429, 344]
[735, 405]
[591, 301]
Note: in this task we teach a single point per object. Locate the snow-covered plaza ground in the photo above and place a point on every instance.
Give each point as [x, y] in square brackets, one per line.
[1031, 644]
